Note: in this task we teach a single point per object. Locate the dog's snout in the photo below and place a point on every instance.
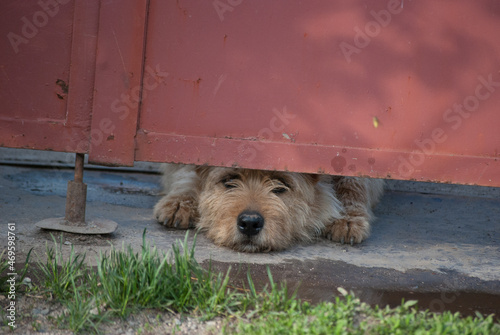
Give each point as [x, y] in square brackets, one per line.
[250, 223]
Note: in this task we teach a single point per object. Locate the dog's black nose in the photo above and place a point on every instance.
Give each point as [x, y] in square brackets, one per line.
[250, 223]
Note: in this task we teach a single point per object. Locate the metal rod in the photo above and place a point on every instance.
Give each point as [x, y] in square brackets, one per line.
[79, 167]
[76, 196]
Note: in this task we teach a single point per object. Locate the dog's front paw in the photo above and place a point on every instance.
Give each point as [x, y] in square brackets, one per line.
[349, 229]
[179, 212]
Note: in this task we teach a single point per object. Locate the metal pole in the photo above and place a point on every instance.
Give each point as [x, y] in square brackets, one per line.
[76, 196]
[76, 201]
[79, 167]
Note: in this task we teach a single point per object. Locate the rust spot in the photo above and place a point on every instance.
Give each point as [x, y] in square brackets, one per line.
[225, 39]
[64, 89]
[183, 11]
[305, 35]
[409, 79]
[195, 83]
[61, 83]
[338, 163]
[196, 86]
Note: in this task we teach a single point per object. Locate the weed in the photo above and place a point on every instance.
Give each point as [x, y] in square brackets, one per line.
[271, 299]
[148, 279]
[5, 267]
[58, 275]
[79, 316]
[72, 283]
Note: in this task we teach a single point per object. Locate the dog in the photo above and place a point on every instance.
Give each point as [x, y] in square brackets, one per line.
[260, 211]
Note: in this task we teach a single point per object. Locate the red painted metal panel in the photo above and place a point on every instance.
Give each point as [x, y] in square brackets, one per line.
[387, 88]
[313, 159]
[47, 73]
[118, 86]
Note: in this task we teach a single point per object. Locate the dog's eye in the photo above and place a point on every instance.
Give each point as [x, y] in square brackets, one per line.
[279, 190]
[280, 187]
[229, 181]
[229, 184]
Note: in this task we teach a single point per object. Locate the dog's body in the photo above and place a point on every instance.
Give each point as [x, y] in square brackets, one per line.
[254, 210]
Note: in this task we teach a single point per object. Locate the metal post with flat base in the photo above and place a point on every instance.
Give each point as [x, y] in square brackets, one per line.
[76, 199]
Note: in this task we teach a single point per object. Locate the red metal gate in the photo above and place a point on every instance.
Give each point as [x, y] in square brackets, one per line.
[47, 64]
[390, 88]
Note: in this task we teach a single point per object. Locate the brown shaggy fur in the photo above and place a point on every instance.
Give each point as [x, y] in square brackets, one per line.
[254, 210]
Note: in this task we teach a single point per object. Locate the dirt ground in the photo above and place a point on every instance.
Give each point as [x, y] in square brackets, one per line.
[38, 316]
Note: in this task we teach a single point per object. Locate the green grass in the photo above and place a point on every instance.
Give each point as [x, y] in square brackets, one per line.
[175, 282]
[348, 315]
[126, 282]
[59, 276]
[71, 282]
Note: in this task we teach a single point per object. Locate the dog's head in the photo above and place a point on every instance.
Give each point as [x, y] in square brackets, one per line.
[254, 210]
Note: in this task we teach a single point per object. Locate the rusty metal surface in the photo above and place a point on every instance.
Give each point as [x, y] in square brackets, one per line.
[396, 89]
[76, 195]
[47, 73]
[76, 200]
[76, 203]
[118, 82]
[93, 227]
[79, 163]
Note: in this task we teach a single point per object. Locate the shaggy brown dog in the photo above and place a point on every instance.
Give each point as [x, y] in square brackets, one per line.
[254, 210]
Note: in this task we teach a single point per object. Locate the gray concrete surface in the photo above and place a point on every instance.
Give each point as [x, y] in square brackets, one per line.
[437, 243]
